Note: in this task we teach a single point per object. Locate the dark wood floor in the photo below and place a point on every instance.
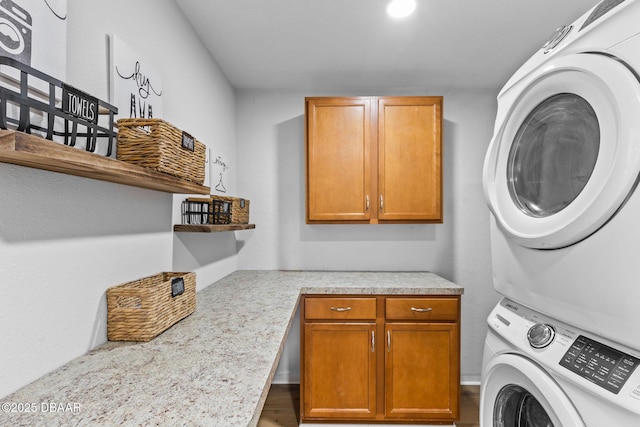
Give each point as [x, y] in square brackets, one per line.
[282, 408]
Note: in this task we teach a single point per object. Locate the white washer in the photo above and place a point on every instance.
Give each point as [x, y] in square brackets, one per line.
[561, 173]
[575, 380]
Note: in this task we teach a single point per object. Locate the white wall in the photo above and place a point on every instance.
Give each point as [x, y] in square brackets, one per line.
[64, 240]
[271, 151]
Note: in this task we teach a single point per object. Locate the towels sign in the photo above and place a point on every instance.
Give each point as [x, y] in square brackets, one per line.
[79, 104]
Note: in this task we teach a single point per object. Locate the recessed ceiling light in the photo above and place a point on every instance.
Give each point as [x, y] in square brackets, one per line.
[401, 8]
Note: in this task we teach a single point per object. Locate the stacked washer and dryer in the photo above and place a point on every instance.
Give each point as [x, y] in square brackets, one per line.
[560, 178]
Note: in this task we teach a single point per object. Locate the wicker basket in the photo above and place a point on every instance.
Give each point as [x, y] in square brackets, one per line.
[239, 208]
[156, 144]
[143, 309]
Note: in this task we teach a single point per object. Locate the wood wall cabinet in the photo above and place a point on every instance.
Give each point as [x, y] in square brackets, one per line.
[380, 358]
[374, 159]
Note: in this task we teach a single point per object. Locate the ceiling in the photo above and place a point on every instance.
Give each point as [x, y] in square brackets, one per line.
[353, 44]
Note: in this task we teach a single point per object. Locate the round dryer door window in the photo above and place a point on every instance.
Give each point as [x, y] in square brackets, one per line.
[553, 155]
[564, 159]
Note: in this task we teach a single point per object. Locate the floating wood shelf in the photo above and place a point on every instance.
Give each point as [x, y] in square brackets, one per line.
[209, 228]
[33, 151]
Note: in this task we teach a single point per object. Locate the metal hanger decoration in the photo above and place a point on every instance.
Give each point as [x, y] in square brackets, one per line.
[220, 186]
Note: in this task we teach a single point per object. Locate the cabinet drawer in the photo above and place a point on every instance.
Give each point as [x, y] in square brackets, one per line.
[422, 309]
[340, 308]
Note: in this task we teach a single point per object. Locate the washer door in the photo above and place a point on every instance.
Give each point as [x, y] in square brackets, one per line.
[517, 393]
[567, 154]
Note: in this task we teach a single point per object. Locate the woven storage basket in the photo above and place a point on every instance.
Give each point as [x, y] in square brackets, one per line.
[239, 208]
[156, 144]
[143, 309]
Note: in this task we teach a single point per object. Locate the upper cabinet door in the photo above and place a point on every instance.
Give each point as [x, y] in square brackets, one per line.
[409, 159]
[374, 159]
[338, 132]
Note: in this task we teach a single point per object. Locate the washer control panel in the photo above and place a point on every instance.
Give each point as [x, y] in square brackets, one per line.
[600, 364]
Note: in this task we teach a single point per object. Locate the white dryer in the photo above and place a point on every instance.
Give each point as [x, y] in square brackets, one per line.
[561, 173]
[539, 372]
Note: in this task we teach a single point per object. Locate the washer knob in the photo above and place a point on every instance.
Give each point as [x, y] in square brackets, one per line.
[541, 335]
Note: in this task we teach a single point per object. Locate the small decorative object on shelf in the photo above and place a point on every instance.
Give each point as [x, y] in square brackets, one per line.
[196, 210]
[143, 309]
[156, 144]
[221, 212]
[205, 210]
[239, 208]
[36, 103]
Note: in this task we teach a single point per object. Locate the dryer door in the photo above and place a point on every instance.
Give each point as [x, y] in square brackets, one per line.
[566, 155]
[517, 393]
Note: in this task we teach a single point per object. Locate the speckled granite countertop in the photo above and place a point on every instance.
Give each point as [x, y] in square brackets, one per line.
[213, 368]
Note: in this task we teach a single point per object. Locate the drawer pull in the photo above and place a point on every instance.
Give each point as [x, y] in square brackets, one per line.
[421, 310]
[340, 309]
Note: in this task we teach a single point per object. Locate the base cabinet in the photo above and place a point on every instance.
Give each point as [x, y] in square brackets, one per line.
[380, 358]
[339, 357]
[418, 371]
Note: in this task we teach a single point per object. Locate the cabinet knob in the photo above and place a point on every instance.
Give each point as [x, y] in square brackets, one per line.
[340, 308]
[367, 203]
[381, 203]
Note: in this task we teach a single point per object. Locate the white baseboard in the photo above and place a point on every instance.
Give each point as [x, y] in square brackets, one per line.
[286, 378]
[468, 382]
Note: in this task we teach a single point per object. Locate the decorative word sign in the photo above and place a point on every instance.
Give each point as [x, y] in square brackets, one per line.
[79, 104]
[136, 86]
[219, 164]
[140, 101]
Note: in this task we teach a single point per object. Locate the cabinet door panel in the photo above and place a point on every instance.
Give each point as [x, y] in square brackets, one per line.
[339, 378]
[409, 157]
[422, 371]
[338, 159]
